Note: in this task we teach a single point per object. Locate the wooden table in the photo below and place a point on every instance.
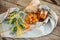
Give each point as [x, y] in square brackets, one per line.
[55, 35]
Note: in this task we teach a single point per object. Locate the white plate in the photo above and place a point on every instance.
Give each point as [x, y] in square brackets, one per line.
[37, 32]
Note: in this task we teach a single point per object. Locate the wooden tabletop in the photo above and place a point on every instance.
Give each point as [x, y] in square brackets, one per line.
[55, 35]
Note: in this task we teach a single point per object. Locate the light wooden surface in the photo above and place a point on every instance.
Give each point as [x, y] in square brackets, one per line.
[55, 35]
[56, 2]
